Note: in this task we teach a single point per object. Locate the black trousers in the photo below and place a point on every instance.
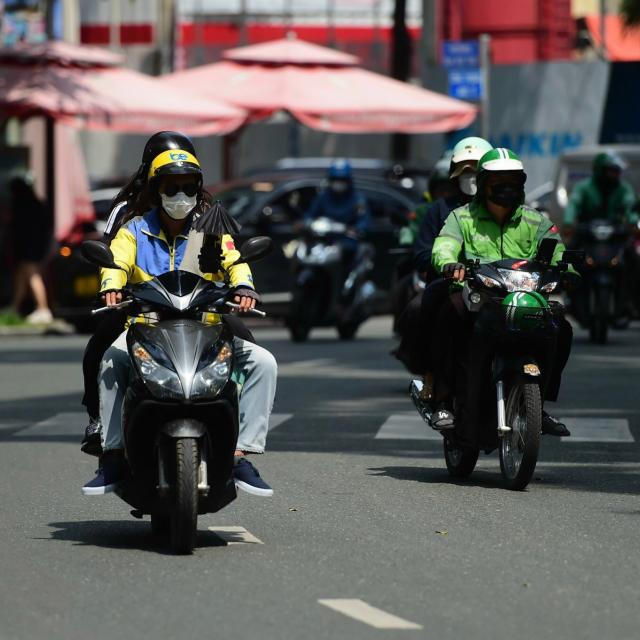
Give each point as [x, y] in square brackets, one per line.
[416, 326]
[451, 346]
[110, 327]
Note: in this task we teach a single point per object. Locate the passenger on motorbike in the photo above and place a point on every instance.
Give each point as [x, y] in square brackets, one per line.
[128, 203]
[342, 202]
[163, 240]
[416, 322]
[495, 225]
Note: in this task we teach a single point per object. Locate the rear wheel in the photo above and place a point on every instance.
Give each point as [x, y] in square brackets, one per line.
[460, 461]
[184, 519]
[519, 447]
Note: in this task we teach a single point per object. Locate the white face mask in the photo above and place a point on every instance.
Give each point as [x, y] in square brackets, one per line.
[179, 206]
[467, 183]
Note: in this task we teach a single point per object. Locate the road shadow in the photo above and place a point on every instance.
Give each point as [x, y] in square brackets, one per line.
[429, 475]
[121, 534]
[583, 478]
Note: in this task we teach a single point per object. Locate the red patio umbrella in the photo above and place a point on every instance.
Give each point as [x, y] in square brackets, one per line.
[113, 98]
[323, 89]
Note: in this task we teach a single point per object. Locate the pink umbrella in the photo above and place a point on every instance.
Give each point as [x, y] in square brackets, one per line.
[323, 89]
[59, 53]
[113, 98]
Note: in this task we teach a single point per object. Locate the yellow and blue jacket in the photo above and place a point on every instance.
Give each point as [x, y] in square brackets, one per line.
[143, 250]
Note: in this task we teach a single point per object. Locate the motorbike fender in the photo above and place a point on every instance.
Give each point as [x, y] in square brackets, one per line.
[184, 428]
[305, 276]
[516, 367]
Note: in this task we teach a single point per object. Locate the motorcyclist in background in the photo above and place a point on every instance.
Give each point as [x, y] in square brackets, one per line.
[404, 289]
[495, 225]
[341, 202]
[605, 195]
[162, 239]
[128, 203]
[415, 324]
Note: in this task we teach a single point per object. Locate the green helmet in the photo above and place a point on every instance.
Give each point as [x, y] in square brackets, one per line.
[525, 310]
[607, 160]
[500, 160]
[467, 152]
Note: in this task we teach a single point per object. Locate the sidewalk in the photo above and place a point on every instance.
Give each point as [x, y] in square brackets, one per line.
[57, 327]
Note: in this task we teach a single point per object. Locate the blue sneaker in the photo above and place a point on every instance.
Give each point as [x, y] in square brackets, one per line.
[248, 479]
[109, 475]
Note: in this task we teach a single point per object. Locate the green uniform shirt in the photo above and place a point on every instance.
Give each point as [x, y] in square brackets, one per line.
[471, 233]
[587, 203]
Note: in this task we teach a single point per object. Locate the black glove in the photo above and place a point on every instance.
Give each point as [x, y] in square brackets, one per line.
[449, 270]
[246, 292]
[210, 257]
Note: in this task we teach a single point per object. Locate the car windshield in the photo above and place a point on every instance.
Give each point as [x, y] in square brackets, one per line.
[239, 199]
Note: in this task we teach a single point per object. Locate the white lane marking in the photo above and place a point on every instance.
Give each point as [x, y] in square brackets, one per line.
[70, 423]
[406, 426]
[598, 430]
[235, 535]
[277, 419]
[363, 612]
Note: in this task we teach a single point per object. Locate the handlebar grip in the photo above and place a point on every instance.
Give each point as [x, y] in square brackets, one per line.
[255, 312]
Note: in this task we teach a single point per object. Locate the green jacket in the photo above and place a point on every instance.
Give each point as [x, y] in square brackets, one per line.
[409, 232]
[586, 203]
[471, 233]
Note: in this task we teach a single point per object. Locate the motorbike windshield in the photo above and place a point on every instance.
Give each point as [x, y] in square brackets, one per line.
[178, 290]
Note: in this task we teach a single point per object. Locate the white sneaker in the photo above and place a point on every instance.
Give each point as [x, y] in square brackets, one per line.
[40, 316]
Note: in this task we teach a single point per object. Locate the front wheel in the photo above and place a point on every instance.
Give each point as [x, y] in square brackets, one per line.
[348, 330]
[184, 517]
[519, 447]
[460, 461]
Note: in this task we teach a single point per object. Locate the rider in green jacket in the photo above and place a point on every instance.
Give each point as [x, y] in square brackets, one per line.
[495, 225]
[605, 195]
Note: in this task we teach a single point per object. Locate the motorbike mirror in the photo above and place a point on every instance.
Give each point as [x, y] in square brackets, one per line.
[546, 250]
[98, 253]
[574, 257]
[255, 249]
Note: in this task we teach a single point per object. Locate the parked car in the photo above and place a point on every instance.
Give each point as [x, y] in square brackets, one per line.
[406, 178]
[74, 282]
[273, 204]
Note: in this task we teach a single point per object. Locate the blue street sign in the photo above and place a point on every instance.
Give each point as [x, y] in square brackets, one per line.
[465, 84]
[461, 54]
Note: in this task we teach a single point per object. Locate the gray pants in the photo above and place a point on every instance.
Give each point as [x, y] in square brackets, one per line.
[255, 371]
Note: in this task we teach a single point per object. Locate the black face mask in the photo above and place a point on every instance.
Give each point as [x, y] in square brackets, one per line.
[506, 195]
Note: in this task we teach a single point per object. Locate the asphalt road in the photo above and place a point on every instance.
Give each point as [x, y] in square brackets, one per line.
[362, 530]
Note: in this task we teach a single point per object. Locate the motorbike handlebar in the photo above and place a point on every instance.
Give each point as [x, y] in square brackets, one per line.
[120, 305]
[253, 312]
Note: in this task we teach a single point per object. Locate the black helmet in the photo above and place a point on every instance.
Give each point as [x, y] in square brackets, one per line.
[164, 141]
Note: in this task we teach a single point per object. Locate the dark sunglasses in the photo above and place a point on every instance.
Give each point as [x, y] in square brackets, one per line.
[189, 189]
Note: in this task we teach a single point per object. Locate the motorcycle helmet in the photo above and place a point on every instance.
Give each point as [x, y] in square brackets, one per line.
[340, 170]
[466, 153]
[525, 310]
[608, 160]
[165, 141]
[508, 164]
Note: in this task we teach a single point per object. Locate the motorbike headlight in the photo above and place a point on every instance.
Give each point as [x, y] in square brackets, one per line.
[156, 371]
[214, 370]
[549, 287]
[519, 280]
[487, 281]
[602, 232]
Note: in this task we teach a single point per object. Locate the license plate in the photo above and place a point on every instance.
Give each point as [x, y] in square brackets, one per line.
[86, 286]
